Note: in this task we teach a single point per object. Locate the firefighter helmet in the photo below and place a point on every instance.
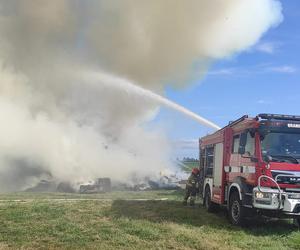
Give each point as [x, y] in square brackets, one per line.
[195, 171]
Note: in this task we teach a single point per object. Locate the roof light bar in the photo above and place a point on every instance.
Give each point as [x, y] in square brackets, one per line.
[279, 117]
[231, 123]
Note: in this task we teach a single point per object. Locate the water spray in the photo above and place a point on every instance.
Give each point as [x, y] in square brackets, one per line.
[127, 85]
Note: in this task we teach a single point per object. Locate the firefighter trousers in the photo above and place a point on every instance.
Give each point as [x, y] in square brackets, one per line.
[191, 193]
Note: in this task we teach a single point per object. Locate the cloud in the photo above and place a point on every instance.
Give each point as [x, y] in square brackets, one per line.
[245, 71]
[285, 69]
[264, 102]
[186, 144]
[267, 47]
[224, 71]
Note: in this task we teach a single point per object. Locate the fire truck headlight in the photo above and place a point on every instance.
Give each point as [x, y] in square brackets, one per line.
[261, 195]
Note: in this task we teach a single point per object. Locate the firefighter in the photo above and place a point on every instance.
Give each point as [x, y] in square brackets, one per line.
[192, 187]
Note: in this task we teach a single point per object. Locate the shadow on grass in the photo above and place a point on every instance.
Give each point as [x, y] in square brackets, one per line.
[173, 211]
[179, 193]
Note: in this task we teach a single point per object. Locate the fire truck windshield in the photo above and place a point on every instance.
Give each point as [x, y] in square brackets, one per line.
[282, 147]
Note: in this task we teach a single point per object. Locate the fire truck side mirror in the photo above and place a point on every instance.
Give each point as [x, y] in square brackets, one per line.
[254, 159]
[243, 141]
[268, 158]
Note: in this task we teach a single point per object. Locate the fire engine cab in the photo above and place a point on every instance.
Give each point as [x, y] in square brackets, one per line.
[253, 166]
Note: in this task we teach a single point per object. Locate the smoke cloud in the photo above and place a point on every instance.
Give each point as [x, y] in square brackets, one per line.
[58, 122]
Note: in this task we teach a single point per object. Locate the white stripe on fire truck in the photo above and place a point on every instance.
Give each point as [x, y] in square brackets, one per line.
[240, 169]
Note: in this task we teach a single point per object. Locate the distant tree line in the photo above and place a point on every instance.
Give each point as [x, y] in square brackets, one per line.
[189, 159]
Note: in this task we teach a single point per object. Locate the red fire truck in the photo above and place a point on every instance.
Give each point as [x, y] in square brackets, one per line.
[253, 166]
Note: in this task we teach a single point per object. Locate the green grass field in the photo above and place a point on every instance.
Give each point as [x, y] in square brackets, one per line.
[123, 220]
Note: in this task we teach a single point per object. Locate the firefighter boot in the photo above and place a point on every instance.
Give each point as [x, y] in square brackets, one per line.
[192, 200]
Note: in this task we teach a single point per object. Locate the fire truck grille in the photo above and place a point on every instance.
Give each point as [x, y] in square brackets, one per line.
[286, 177]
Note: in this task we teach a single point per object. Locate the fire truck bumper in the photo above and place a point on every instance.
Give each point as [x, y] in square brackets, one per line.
[269, 199]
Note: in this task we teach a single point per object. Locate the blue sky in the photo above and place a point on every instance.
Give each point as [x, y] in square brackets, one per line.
[264, 78]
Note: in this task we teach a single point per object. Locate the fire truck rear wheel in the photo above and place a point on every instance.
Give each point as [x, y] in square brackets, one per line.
[208, 204]
[236, 210]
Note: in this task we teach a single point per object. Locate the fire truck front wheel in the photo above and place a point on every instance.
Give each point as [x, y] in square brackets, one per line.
[236, 210]
[297, 222]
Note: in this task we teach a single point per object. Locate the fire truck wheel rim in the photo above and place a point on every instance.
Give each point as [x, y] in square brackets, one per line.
[235, 210]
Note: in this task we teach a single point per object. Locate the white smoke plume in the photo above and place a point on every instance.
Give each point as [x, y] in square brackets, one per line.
[54, 122]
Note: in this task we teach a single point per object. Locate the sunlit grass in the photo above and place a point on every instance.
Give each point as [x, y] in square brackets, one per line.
[42, 221]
